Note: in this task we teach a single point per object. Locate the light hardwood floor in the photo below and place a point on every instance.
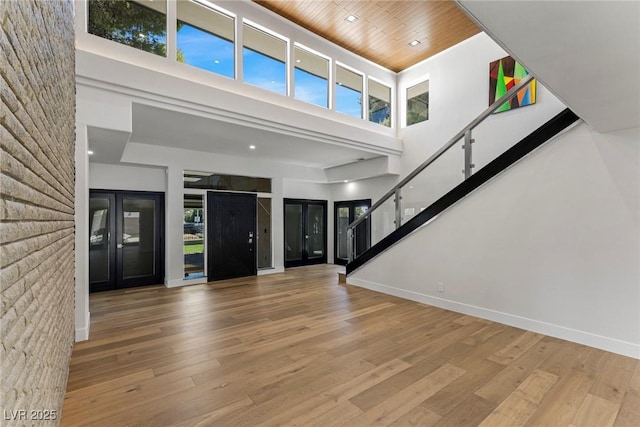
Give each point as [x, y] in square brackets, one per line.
[300, 349]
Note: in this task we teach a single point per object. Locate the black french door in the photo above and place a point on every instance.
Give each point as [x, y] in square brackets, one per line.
[231, 235]
[126, 245]
[344, 214]
[305, 232]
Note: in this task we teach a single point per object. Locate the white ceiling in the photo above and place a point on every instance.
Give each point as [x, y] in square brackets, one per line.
[107, 144]
[156, 126]
[586, 52]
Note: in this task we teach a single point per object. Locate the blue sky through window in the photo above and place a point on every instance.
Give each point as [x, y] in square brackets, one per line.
[348, 101]
[207, 51]
[311, 88]
[264, 71]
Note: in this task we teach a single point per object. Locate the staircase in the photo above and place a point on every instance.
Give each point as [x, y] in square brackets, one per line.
[472, 181]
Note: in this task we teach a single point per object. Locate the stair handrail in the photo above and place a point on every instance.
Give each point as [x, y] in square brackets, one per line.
[464, 133]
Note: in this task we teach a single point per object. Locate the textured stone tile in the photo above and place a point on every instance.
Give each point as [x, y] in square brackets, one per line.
[37, 136]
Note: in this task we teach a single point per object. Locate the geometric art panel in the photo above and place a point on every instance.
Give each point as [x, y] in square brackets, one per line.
[504, 74]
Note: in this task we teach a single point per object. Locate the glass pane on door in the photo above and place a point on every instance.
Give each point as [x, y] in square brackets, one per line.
[293, 232]
[342, 223]
[362, 230]
[315, 231]
[138, 238]
[361, 210]
[99, 245]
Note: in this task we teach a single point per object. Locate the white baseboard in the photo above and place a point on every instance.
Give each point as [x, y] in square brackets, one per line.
[598, 341]
[177, 283]
[82, 334]
[271, 271]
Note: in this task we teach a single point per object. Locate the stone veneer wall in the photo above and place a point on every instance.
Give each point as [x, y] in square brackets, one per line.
[37, 140]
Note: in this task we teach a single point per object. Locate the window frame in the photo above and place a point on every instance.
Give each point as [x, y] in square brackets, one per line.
[422, 80]
[391, 107]
[329, 79]
[362, 88]
[141, 4]
[225, 13]
[287, 53]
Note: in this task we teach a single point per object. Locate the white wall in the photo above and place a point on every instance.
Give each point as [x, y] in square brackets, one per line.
[551, 245]
[81, 219]
[132, 178]
[458, 93]
[298, 189]
[364, 169]
[371, 188]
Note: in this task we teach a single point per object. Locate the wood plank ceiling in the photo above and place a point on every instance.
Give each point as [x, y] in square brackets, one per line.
[384, 29]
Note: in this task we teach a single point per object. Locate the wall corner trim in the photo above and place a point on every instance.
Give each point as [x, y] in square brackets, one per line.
[82, 334]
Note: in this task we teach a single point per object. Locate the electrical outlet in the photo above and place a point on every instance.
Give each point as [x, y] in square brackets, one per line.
[440, 287]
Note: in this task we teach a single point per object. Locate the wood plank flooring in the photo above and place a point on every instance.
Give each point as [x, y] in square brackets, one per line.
[299, 349]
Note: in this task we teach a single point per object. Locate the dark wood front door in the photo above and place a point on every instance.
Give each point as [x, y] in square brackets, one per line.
[126, 245]
[231, 235]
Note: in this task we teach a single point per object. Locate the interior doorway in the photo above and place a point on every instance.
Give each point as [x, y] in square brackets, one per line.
[345, 213]
[126, 243]
[305, 232]
[231, 235]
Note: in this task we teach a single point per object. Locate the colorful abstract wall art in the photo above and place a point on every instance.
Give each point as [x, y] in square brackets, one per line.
[504, 74]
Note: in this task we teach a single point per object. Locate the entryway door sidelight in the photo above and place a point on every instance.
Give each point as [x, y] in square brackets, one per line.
[305, 232]
[126, 245]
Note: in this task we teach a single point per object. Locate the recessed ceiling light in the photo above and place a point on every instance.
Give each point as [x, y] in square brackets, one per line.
[414, 43]
[351, 18]
[346, 180]
[298, 61]
[216, 61]
[90, 152]
[252, 147]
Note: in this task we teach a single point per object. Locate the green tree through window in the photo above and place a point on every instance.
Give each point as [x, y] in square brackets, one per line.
[131, 23]
[418, 103]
